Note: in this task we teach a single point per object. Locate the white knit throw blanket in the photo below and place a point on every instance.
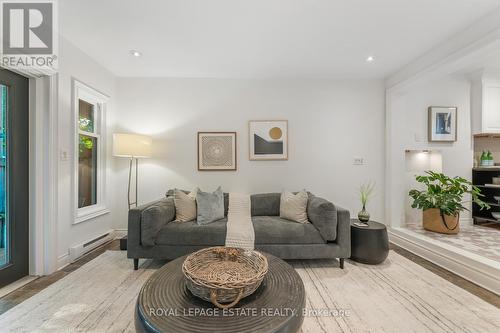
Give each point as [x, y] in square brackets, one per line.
[240, 231]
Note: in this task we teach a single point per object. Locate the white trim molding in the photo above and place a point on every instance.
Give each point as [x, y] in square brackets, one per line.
[99, 100]
[481, 36]
[477, 269]
[84, 214]
[43, 174]
[63, 260]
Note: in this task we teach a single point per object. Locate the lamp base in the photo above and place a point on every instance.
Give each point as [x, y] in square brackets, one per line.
[130, 204]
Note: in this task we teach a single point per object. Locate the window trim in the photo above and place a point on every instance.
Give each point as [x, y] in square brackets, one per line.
[90, 95]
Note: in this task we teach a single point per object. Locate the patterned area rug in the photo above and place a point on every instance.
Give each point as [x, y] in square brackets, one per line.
[397, 296]
[483, 241]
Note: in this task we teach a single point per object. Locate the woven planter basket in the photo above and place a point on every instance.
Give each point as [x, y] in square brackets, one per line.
[224, 274]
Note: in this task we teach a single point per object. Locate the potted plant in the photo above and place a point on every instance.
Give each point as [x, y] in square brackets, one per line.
[442, 201]
[365, 193]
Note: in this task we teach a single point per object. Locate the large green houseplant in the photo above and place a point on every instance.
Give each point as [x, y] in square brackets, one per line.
[443, 200]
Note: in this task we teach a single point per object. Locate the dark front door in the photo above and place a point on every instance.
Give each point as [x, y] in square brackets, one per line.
[14, 135]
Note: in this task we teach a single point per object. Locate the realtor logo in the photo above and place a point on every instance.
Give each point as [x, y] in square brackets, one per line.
[29, 39]
[27, 28]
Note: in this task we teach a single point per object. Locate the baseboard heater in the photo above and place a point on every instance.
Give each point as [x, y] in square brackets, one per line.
[77, 251]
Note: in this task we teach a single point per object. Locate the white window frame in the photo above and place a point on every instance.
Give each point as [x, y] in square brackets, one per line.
[99, 100]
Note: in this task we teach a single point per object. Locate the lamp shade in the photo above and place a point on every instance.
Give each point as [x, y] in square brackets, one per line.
[132, 145]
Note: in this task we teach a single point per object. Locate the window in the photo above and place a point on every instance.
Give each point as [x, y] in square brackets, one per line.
[90, 152]
[88, 146]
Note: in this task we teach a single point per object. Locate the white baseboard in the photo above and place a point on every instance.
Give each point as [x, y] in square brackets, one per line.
[466, 222]
[63, 260]
[477, 269]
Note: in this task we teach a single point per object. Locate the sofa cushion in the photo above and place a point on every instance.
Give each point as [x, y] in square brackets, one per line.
[170, 193]
[191, 233]
[185, 206]
[265, 204]
[323, 215]
[154, 218]
[293, 207]
[275, 230]
[268, 230]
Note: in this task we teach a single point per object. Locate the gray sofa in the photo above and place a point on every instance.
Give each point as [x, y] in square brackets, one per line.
[153, 234]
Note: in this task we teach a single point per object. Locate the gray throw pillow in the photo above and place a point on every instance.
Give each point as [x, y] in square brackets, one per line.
[210, 206]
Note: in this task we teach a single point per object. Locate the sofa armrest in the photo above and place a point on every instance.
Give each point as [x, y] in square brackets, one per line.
[144, 222]
[344, 232]
[323, 215]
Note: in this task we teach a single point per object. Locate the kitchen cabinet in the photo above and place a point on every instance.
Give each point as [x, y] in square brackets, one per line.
[485, 103]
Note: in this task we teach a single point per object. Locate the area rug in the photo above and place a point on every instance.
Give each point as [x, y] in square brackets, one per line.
[397, 296]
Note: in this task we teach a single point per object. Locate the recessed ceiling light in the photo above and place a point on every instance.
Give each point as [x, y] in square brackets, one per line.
[135, 53]
[370, 59]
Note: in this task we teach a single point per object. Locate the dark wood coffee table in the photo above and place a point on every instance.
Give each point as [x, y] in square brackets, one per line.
[166, 305]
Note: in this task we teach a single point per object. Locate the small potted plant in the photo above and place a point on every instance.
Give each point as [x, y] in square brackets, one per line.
[442, 201]
[365, 193]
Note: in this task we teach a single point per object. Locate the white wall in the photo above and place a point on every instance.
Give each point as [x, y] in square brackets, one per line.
[74, 64]
[408, 130]
[330, 123]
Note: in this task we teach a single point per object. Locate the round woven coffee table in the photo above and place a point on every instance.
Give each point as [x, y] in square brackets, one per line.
[165, 304]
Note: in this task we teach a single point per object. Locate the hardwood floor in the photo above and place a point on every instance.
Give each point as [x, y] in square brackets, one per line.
[480, 292]
[30, 289]
[39, 284]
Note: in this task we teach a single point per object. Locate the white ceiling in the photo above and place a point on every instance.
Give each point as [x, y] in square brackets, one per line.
[263, 38]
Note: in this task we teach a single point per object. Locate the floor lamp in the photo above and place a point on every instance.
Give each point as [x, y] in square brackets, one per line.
[134, 147]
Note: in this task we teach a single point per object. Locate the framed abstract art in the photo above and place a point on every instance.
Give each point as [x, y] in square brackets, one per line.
[442, 124]
[268, 139]
[216, 151]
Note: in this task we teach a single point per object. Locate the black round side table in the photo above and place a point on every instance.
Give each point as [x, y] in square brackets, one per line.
[369, 244]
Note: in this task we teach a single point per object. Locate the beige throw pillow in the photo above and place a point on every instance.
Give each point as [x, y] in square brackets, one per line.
[293, 207]
[185, 206]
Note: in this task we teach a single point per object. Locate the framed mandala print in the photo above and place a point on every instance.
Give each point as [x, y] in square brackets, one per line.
[216, 151]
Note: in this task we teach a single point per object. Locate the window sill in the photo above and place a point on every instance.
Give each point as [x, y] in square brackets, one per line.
[90, 213]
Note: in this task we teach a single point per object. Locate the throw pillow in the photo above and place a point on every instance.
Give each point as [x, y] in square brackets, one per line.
[293, 207]
[185, 205]
[210, 206]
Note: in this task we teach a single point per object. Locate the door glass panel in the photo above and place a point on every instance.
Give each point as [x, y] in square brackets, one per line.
[87, 171]
[4, 241]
